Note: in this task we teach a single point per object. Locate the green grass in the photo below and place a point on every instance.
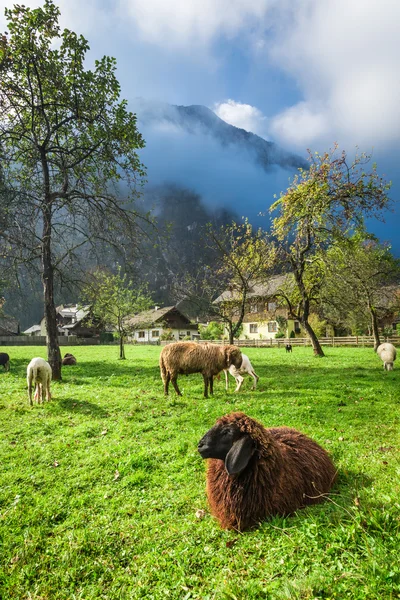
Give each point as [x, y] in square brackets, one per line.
[99, 488]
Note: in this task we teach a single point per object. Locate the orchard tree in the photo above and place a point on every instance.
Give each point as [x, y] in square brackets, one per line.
[114, 298]
[321, 206]
[243, 258]
[363, 279]
[67, 151]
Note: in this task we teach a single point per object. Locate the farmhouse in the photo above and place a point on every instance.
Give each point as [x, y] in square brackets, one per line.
[266, 313]
[73, 319]
[153, 325]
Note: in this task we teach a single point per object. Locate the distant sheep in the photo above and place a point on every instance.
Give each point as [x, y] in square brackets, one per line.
[182, 358]
[288, 347]
[5, 361]
[38, 375]
[245, 367]
[387, 353]
[69, 359]
[255, 473]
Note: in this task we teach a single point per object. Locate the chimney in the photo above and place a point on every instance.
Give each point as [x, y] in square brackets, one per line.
[156, 307]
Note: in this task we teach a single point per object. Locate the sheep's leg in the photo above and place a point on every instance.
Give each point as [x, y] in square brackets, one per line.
[239, 381]
[205, 377]
[166, 380]
[29, 380]
[226, 380]
[48, 394]
[256, 378]
[211, 382]
[174, 383]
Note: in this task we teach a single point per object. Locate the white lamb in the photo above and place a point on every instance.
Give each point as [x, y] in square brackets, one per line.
[246, 367]
[387, 353]
[38, 374]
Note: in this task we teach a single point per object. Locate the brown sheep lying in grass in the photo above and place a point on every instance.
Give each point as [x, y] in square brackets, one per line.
[255, 473]
[69, 359]
[38, 374]
[182, 358]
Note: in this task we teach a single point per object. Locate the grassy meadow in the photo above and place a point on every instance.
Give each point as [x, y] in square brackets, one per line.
[99, 488]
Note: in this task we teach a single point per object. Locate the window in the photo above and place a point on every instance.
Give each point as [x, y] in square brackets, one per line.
[140, 334]
[253, 308]
[155, 333]
[253, 328]
[297, 327]
[188, 333]
[271, 306]
[272, 326]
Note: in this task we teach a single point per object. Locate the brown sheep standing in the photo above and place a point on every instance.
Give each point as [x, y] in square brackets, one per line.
[255, 473]
[182, 358]
[69, 359]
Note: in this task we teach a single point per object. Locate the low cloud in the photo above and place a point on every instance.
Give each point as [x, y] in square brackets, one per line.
[244, 116]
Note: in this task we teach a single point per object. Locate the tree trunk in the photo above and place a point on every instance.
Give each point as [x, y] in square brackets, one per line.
[121, 346]
[375, 329]
[230, 329]
[314, 340]
[53, 348]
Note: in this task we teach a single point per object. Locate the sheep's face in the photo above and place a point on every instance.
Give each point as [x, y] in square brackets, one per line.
[226, 442]
[233, 357]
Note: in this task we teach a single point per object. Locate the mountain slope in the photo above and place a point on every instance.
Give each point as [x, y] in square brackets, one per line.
[197, 119]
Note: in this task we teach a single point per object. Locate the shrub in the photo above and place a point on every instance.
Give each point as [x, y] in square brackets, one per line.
[167, 335]
[106, 337]
[213, 331]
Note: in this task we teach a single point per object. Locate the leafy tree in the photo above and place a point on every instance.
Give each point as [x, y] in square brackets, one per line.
[113, 299]
[362, 281]
[67, 149]
[213, 331]
[243, 257]
[322, 204]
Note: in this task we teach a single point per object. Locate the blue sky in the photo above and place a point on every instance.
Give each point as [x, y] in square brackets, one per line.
[302, 73]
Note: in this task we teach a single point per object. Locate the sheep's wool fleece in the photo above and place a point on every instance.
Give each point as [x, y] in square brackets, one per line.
[287, 471]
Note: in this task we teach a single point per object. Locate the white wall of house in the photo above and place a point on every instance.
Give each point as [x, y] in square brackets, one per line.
[153, 334]
[258, 331]
[264, 330]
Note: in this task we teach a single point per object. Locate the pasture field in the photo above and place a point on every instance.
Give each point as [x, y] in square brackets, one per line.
[99, 488]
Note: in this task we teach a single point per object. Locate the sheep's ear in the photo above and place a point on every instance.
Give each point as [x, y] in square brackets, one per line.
[228, 356]
[239, 455]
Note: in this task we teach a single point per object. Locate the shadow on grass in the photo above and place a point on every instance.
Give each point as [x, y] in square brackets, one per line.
[74, 406]
[352, 481]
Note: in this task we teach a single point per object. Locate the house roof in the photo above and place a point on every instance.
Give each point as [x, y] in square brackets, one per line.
[32, 329]
[267, 289]
[148, 318]
[9, 326]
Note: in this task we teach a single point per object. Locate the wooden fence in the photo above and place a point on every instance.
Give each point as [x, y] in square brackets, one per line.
[357, 340]
[72, 340]
[40, 340]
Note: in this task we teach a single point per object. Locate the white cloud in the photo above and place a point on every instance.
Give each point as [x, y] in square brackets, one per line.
[299, 124]
[179, 23]
[81, 17]
[343, 55]
[244, 116]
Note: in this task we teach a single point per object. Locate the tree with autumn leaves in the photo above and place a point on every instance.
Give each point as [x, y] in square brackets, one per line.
[322, 207]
